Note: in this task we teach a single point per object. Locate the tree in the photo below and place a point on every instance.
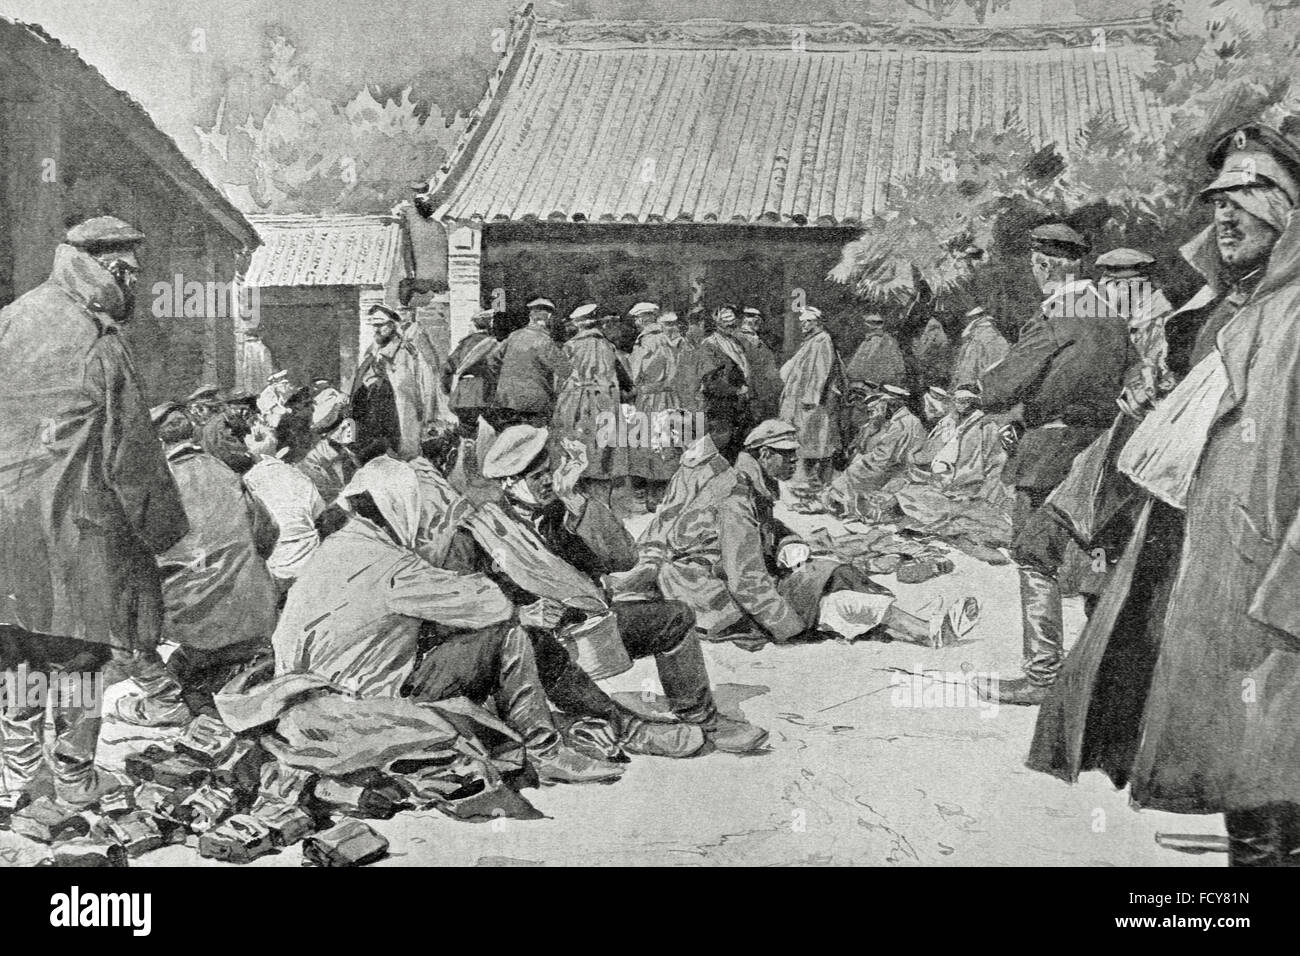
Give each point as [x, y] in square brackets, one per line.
[305, 153]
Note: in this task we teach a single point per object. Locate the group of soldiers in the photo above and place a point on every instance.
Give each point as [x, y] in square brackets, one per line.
[390, 546]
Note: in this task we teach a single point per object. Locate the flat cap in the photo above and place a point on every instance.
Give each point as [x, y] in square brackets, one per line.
[1123, 263]
[773, 433]
[544, 304]
[158, 414]
[382, 315]
[103, 234]
[204, 393]
[587, 311]
[643, 308]
[514, 450]
[1058, 239]
[1254, 155]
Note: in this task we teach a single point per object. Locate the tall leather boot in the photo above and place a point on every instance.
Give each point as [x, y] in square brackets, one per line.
[1043, 629]
[77, 781]
[26, 775]
[685, 678]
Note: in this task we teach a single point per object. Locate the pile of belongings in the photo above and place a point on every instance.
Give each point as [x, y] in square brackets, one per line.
[292, 761]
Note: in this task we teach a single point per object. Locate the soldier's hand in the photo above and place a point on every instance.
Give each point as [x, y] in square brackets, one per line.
[1009, 435]
[544, 614]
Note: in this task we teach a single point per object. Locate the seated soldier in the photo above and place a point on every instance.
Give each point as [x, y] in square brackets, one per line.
[548, 546]
[354, 617]
[716, 545]
[894, 436]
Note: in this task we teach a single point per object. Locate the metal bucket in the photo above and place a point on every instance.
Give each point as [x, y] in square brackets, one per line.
[596, 647]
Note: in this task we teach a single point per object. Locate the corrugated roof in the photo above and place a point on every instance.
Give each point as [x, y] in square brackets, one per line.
[325, 250]
[62, 67]
[713, 122]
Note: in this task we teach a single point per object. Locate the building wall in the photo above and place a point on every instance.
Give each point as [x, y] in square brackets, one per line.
[61, 164]
[311, 331]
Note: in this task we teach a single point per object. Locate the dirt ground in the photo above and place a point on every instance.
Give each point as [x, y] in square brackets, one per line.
[855, 773]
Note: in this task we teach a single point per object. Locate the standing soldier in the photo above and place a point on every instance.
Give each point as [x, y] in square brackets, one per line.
[687, 381]
[654, 365]
[1184, 682]
[765, 374]
[588, 406]
[878, 359]
[810, 401]
[468, 376]
[982, 347]
[724, 383]
[86, 501]
[1065, 372]
[391, 392]
[531, 366]
[1126, 284]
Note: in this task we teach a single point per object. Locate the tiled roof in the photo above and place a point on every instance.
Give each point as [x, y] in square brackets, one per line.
[325, 250]
[763, 123]
[60, 66]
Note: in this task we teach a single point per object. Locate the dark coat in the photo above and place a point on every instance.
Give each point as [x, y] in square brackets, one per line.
[1186, 681]
[86, 498]
[1066, 370]
[531, 368]
[471, 385]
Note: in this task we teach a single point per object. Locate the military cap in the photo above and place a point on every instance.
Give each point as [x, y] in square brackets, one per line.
[484, 318]
[1254, 155]
[773, 433]
[873, 318]
[1059, 240]
[753, 312]
[966, 391]
[897, 391]
[382, 315]
[1125, 263]
[977, 311]
[327, 409]
[938, 392]
[276, 378]
[204, 393]
[642, 308]
[545, 305]
[158, 414]
[668, 318]
[104, 234]
[584, 314]
[514, 450]
[725, 316]
[810, 313]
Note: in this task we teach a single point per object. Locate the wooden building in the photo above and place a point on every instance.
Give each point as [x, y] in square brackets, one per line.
[707, 161]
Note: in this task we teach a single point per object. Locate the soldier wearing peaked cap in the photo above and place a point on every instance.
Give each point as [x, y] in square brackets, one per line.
[590, 397]
[878, 357]
[86, 500]
[980, 348]
[1203, 602]
[653, 366]
[393, 391]
[1055, 393]
[765, 373]
[812, 383]
[470, 373]
[726, 382]
[530, 368]
[548, 548]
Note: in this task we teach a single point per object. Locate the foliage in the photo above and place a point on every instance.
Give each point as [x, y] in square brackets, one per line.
[305, 153]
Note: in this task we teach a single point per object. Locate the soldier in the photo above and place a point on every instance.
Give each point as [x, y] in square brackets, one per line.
[548, 548]
[222, 434]
[724, 373]
[654, 366]
[391, 390]
[765, 374]
[1183, 683]
[589, 400]
[810, 401]
[469, 375]
[885, 450]
[686, 383]
[530, 368]
[86, 502]
[1126, 284]
[878, 357]
[982, 346]
[329, 463]
[1064, 372]
[203, 403]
